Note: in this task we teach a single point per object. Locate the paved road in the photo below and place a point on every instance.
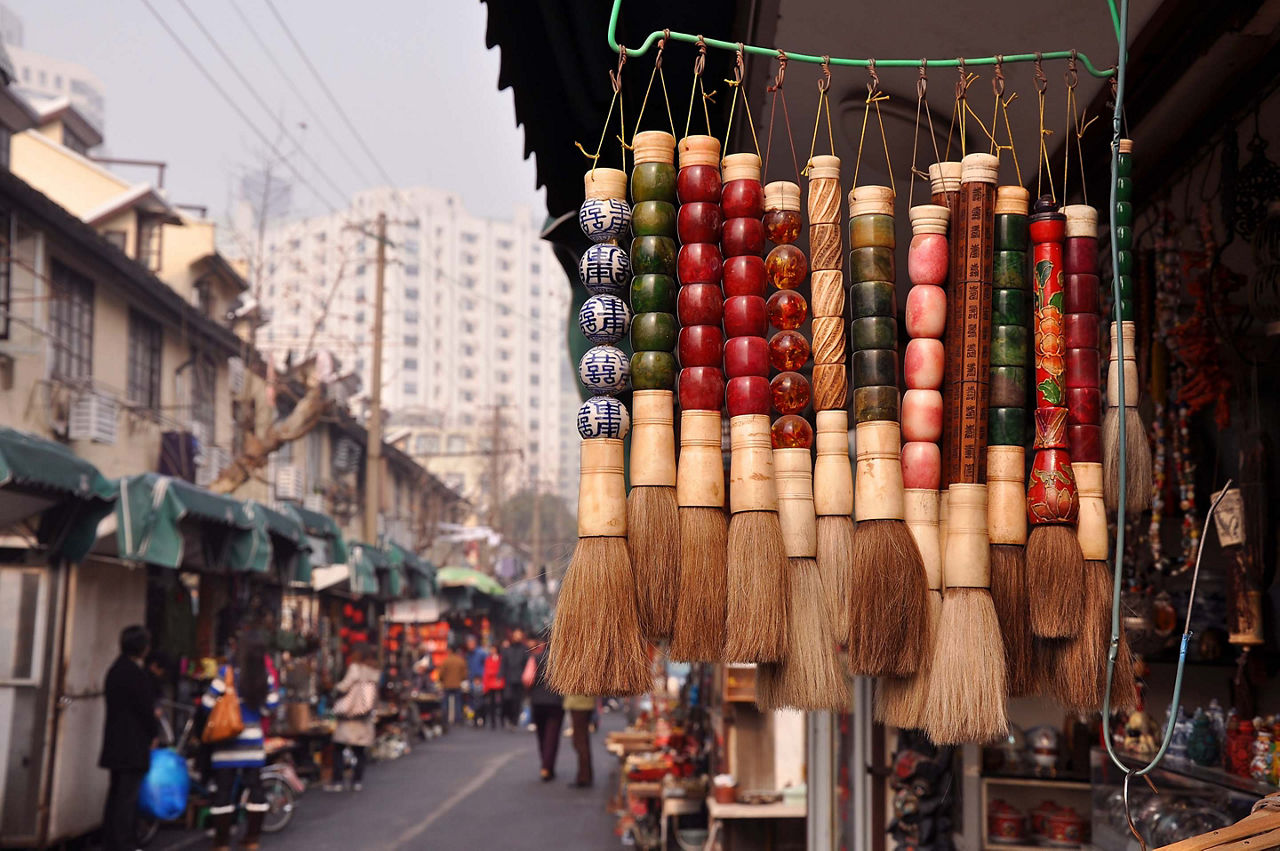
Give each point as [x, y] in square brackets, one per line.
[471, 789]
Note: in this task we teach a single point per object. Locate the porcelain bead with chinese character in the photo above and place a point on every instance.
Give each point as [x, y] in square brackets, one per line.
[605, 268]
[604, 319]
[603, 416]
[604, 370]
[603, 219]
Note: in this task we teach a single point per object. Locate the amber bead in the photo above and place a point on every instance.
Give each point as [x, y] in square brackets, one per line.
[787, 310]
[653, 218]
[790, 392]
[788, 350]
[782, 226]
[786, 266]
[791, 432]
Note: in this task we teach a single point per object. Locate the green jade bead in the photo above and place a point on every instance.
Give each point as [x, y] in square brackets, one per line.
[1126, 286]
[1008, 345]
[1124, 238]
[873, 367]
[653, 371]
[1126, 262]
[1008, 307]
[1008, 387]
[1009, 270]
[873, 298]
[1124, 213]
[1124, 188]
[1007, 426]
[653, 255]
[873, 332]
[871, 404]
[1011, 232]
[871, 264]
[653, 182]
[1124, 167]
[872, 231]
[1127, 311]
[653, 294]
[653, 332]
[654, 218]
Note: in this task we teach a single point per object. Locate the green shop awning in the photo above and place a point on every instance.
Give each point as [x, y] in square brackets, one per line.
[37, 475]
[327, 543]
[365, 560]
[464, 577]
[421, 573]
[158, 516]
[290, 546]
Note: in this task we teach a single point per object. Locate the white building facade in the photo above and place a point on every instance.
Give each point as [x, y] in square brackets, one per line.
[42, 79]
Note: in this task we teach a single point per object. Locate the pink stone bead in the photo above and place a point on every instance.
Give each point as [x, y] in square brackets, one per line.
[927, 259]
[921, 465]
[924, 364]
[926, 311]
[922, 415]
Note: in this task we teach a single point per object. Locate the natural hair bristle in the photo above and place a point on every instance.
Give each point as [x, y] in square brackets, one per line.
[702, 604]
[1055, 581]
[653, 541]
[888, 601]
[900, 701]
[1013, 610]
[967, 702]
[1138, 464]
[835, 548]
[596, 647]
[1078, 676]
[756, 629]
[809, 678]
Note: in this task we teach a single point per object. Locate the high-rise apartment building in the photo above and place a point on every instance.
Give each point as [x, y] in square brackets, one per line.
[474, 323]
[44, 80]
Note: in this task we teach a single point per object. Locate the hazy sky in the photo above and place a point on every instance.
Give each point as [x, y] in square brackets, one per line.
[414, 75]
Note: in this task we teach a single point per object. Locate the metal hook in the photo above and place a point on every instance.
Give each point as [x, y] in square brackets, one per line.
[922, 83]
[997, 81]
[1128, 815]
[700, 63]
[824, 83]
[615, 77]
[782, 71]
[874, 85]
[662, 45]
[739, 64]
[1042, 82]
[962, 84]
[1072, 76]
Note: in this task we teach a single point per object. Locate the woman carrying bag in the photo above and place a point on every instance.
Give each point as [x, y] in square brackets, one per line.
[547, 709]
[237, 700]
[355, 710]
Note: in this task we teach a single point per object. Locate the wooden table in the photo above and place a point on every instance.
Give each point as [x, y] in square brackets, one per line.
[718, 813]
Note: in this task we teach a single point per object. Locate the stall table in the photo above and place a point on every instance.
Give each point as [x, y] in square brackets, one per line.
[718, 813]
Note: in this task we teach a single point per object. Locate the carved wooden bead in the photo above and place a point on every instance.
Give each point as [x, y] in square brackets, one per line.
[653, 294]
[700, 304]
[824, 202]
[744, 276]
[603, 416]
[747, 395]
[701, 345]
[926, 313]
[875, 367]
[746, 356]
[829, 342]
[830, 386]
[699, 222]
[744, 316]
[603, 219]
[826, 290]
[824, 246]
[701, 388]
[653, 218]
[922, 415]
[653, 370]
[605, 268]
[742, 237]
[921, 465]
[923, 363]
[699, 263]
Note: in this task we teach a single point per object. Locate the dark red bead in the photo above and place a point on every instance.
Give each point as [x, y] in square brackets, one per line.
[1082, 294]
[744, 316]
[1083, 368]
[701, 345]
[699, 222]
[1084, 405]
[747, 395]
[1082, 331]
[1085, 443]
[742, 237]
[1081, 255]
[742, 199]
[744, 276]
[701, 388]
[699, 263]
[700, 304]
[698, 183]
[746, 356]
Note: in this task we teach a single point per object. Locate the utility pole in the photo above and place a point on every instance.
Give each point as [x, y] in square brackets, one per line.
[373, 466]
[535, 568]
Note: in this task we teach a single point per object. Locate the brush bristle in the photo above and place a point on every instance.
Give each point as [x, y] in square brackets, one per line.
[1079, 665]
[596, 647]
[967, 701]
[756, 630]
[888, 601]
[701, 606]
[1055, 581]
[810, 678]
[1013, 610]
[835, 547]
[653, 540]
[1138, 472]
[900, 701]
[1124, 683]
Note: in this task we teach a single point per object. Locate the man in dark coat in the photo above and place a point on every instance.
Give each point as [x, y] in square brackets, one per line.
[130, 728]
[513, 658]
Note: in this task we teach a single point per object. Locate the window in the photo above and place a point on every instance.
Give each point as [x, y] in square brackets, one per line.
[468, 281]
[360, 295]
[149, 245]
[360, 269]
[6, 252]
[468, 372]
[411, 293]
[468, 350]
[204, 296]
[504, 377]
[411, 340]
[534, 312]
[411, 316]
[504, 244]
[504, 332]
[411, 270]
[468, 304]
[204, 394]
[359, 317]
[470, 239]
[411, 364]
[457, 443]
[534, 357]
[535, 379]
[468, 328]
[504, 310]
[468, 396]
[504, 354]
[22, 632]
[71, 321]
[504, 287]
[533, 402]
[410, 388]
[428, 444]
[535, 268]
[504, 265]
[145, 340]
[6, 137]
[410, 246]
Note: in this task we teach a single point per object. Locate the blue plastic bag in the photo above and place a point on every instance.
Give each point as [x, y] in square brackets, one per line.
[164, 789]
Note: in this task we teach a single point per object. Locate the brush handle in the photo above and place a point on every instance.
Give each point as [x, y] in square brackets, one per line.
[878, 491]
[1082, 335]
[751, 481]
[1124, 230]
[920, 507]
[794, 478]
[832, 470]
[787, 268]
[928, 262]
[700, 474]
[826, 285]
[944, 182]
[1091, 526]
[700, 268]
[653, 441]
[873, 328]
[745, 322]
[1010, 315]
[602, 490]
[1130, 366]
[1006, 495]
[968, 555]
[653, 261]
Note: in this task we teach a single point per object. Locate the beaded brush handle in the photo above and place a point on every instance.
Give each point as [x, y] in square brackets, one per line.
[1084, 376]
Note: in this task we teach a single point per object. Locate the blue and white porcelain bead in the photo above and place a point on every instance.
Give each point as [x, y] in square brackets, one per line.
[603, 416]
[603, 219]
[603, 319]
[605, 269]
[604, 370]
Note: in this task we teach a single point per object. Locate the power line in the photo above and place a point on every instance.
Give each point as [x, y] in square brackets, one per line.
[235, 69]
[235, 107]
[297, 92]
[329, 94]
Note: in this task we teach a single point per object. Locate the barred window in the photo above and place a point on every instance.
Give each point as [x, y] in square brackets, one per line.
[71, 322]
[145, 339]
[204, 394]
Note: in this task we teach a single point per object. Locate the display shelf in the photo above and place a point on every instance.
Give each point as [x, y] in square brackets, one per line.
[1203, 774]
[1079, 783]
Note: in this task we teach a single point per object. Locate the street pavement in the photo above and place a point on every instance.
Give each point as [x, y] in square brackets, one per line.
[470, 789]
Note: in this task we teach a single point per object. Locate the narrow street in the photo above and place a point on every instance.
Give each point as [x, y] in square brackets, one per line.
[469, 789]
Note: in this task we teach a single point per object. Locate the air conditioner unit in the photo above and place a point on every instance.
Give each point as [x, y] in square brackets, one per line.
[214, 460]
[288, 482]
[313, 502]
[346, 455]
[200, 432]
[93, 417]
[235, 375]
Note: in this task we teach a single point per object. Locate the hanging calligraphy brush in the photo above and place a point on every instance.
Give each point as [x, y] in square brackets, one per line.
[596, 645]
[1137, 495]
[944, 182]
[701, 607]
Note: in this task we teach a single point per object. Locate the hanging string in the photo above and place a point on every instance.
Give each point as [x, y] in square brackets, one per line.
[615, 79]
[699, 65]
[656, 72]
[997, 86]
[1074, 128]
[1043, 166]
[922, 103]
[777, 91]
[735, 85]
[824, 106]
[1002, 104]
[957, 111]
[874, 98]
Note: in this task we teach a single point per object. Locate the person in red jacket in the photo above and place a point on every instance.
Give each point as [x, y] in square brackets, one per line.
[493, 685]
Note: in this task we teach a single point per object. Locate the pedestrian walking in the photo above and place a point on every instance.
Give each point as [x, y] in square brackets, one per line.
[127, 735]
[493, 687]
[237, 761]
[580, 708]
[514, 657]
[476, 654]
[453, 674]
[356, 711]
[547, 709]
